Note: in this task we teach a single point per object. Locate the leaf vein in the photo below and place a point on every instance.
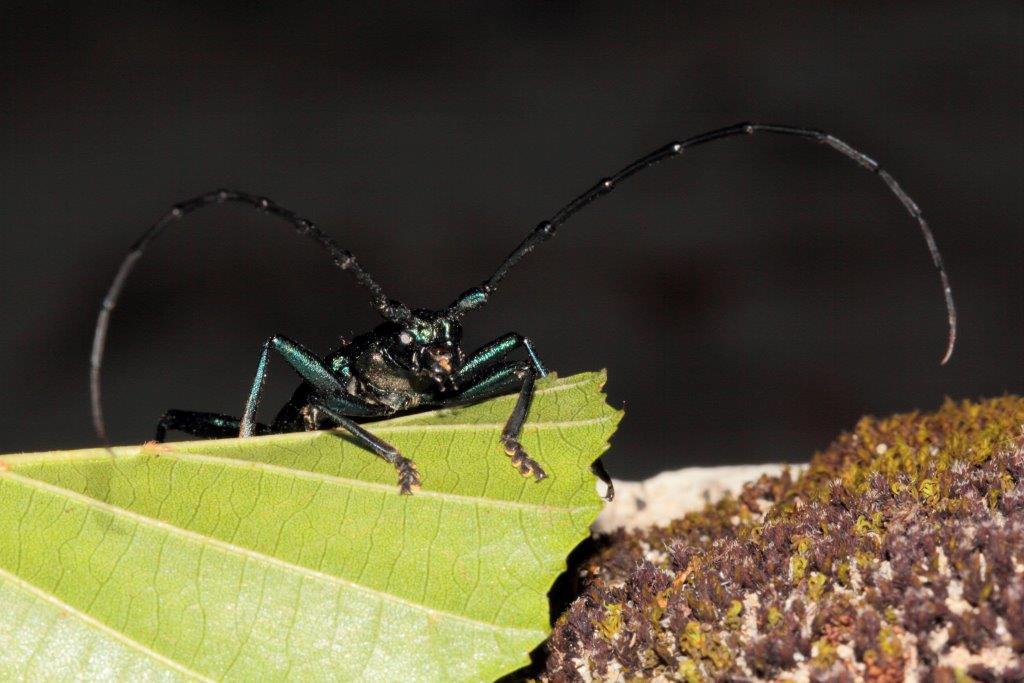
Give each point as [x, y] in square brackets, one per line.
[99, 626]
[259, 557]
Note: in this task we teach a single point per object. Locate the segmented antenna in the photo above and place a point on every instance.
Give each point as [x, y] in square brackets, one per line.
[545, 230]
[392, 310]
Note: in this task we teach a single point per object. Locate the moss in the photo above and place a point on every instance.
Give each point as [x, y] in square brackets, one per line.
[900, 546]
[823, 654]
[688, 671]
[610, 625]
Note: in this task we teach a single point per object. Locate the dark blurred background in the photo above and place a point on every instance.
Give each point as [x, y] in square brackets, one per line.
[750, 301]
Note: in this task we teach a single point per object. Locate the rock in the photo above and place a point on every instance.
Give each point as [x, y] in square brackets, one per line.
[897, 554]
[670, 495]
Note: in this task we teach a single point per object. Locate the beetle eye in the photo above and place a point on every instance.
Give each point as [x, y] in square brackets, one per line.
[405, 337]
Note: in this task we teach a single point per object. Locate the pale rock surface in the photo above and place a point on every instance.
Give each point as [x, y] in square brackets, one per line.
[670, 495]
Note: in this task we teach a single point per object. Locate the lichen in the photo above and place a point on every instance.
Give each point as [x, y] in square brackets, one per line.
[898, 553]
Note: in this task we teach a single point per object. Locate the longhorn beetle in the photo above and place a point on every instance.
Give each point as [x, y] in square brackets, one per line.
[414, 359]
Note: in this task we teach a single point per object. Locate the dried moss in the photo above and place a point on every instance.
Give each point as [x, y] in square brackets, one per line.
[899, 550]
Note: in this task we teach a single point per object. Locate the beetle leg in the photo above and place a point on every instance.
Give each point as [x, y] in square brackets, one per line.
[495, 350]
[329, 397]
[514, 426]
[499, 380]
[311, 369]
[203, 425]
[408, 476]
[597, 467]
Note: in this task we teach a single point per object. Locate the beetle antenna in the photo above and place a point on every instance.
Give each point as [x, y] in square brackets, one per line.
[392, 310]
[476, 297]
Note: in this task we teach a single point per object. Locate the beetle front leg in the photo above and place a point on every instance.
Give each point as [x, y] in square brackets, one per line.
[499, 380]
[514, 426]
[408, 475]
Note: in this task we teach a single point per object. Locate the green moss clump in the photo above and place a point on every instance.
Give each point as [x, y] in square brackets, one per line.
[899, 550]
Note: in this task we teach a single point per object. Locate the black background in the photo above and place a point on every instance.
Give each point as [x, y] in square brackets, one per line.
[750, 300]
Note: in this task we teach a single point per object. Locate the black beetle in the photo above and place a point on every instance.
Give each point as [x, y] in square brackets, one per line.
[415, 359]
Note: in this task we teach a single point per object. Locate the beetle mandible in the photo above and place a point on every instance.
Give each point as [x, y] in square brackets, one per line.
[414, 359]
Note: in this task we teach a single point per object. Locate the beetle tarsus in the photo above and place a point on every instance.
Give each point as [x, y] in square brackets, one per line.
[408, 476]
[527, 466]
[597, 467]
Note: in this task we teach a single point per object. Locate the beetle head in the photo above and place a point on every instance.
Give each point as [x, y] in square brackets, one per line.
[429, 344]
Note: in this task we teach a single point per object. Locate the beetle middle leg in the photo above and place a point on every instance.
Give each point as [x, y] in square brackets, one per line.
[408, 476]
[500, 379]
[330, 397]
[316, 374]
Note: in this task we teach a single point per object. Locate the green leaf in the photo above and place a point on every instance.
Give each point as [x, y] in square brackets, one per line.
[293, 556]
